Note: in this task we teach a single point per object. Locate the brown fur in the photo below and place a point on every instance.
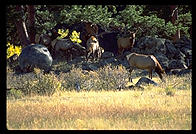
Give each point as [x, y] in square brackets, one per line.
[92, 47]
[100, 51]
[148, 62]
[126, 43]
[90, 29]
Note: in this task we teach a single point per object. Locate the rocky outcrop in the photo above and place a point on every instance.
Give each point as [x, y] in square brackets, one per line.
[170, 55]
[35, 55]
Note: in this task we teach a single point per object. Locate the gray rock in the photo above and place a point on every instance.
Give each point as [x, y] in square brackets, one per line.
[152, 45]
[171, 51]
[107, 54]
[186, 51]
[180, 72]
[174, 64]
[35, 55]
[161, 58]
[144, 80]
[109, 61]
[179, 56]
[90, 67]
[184, 42]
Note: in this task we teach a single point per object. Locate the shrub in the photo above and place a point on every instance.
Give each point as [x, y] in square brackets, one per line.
[112, 77]
[106, 78]
[70, 79]
[173, 83]
[44, 84]
[14, 94]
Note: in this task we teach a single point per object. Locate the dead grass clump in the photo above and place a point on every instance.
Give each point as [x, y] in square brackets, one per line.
[106, 78]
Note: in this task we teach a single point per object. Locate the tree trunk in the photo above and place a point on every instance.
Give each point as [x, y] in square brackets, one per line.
[21, 28]
[31, 21]
[174, 17]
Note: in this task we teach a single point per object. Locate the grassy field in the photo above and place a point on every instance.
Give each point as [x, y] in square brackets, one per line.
[152, 108]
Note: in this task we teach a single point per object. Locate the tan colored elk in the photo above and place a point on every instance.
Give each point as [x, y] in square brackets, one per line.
[148, 62]
[93, 48]
[126, 43]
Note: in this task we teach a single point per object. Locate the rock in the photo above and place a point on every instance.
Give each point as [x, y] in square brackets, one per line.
[89, 66]
[111, 60]
[171, 51]
[177, 64]
[152, 45]
[144, 80]
[77, 86]
[107, 54]
[179, 56]
[184, 42]
[180, 72]
[35, 55]
[161, 58]
[186, 51]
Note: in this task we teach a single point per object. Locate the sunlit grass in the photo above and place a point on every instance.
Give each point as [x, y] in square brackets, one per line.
[150, 108]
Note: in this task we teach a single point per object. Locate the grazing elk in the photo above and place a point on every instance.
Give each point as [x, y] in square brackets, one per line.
[142, 61]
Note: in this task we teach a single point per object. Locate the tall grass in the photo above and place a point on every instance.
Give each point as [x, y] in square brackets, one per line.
[151, 108]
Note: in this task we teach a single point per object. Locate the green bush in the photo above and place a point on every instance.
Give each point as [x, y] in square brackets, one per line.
[44, 84]
[70, 79]
[14, 93]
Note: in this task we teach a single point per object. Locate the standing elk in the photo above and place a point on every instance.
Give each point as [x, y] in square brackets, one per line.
[148, 62]
[93, 48]
[126, 43]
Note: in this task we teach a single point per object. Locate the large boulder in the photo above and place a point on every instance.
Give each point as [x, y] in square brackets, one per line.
[35, 55]
[177, 64]
[107, 54]
[152, 45]
[179, 72]
[171, 50]
[184, 42]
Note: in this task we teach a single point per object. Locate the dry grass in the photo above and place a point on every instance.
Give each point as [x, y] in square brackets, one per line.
[151, 108]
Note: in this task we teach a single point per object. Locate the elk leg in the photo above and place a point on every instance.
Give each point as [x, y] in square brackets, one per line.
[120, 51]
[88, 55]
[130, 79]
[94, 56]
[150, 73]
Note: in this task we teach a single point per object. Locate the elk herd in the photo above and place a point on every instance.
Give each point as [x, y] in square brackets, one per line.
[96, 40]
